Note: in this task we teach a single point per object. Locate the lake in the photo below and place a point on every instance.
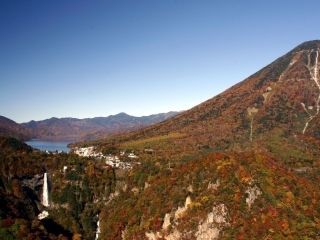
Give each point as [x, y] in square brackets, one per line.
[51, 146]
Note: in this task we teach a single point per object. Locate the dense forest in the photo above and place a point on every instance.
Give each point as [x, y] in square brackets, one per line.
[76, 186]
[242, 165]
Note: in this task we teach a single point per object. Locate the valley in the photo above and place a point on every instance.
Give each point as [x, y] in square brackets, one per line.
[244, 164]
[159, 120]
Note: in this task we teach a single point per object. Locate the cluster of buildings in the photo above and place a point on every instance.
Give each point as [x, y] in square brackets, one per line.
[87, 152]
[110, 159]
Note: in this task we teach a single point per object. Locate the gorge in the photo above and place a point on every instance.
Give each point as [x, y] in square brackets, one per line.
[241, 165]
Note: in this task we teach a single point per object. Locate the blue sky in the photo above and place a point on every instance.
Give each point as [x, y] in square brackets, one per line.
[80, 58]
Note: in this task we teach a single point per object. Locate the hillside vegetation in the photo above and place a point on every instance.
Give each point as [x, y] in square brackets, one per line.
[242, 165]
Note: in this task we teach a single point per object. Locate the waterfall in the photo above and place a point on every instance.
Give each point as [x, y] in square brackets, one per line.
[45, 194]
[98, 230]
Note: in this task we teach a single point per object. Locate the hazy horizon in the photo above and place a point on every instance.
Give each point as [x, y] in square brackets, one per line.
[86, 59]
[95, 116]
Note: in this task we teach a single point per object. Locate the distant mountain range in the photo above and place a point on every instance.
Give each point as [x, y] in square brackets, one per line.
[74, 129]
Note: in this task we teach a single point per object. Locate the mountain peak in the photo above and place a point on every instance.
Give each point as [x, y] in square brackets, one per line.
[283, 96]
[122, 114]
[72, 129]
[308, 45]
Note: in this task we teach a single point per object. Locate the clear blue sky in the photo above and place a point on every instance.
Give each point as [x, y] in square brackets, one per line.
[80, 58]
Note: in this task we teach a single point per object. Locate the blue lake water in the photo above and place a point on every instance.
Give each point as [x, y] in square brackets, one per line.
[51, 146]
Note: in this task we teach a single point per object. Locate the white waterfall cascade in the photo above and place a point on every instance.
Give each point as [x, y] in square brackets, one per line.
[45, 197]
[45, 194]
[98, 230]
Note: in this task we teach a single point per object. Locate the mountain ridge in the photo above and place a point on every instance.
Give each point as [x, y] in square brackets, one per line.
[73, 129]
